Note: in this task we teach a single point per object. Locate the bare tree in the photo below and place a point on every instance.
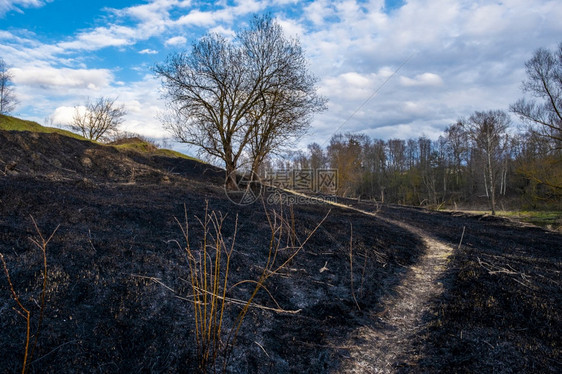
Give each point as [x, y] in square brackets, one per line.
[250, 95]
[210, 95]
[288, 100]
[458, 148]
[375, 167]
[7, 97]
[396, 157]
[488, 132]
[318, 159]
[98, 118]
[544, 82]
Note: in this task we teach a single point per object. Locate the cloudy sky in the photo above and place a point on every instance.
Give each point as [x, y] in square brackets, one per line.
[394, 68]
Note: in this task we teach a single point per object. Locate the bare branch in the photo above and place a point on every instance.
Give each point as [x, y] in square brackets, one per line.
[544, 82]
[8, 99]
[98, 118]
[252, 95]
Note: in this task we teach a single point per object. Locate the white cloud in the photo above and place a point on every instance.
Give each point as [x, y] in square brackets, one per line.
[318, 11]
[198, 18]
[291, 27]
[488, 19]
[227, 33]
[142, 101]
[64, 115]
[54, 79]
[101, 37]
[226, 14]
[464, 56]
[422, 80]
[154, 11]
[16, 5]
[285, 2]
[176, 41]
[353, 86]
[417, 109]
[148, 52]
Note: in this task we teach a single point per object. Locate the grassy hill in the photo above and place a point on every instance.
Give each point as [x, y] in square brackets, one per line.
[9, 123]
[144, 146]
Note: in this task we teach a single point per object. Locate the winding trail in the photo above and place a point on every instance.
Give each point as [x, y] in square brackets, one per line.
[382, 348]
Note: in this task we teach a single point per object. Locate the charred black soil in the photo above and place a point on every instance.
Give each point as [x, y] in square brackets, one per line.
[491, 305]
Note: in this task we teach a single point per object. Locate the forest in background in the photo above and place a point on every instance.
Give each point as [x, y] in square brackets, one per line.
[476, 159]
[480, 162]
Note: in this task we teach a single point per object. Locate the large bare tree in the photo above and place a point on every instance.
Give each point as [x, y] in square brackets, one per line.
[246, 96]
[544, 82]
[488, 132]
[7, 97]
[98, 118]
[288, 100]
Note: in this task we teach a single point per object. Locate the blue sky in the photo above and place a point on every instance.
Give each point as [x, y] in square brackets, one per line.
[456, 56]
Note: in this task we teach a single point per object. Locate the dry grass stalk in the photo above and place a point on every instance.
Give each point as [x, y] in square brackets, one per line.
[42, 244]
[208, 275]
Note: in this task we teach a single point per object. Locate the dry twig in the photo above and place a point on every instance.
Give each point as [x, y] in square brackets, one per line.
[42, 244]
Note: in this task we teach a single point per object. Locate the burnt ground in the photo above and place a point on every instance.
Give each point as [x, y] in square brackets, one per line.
[420, 303]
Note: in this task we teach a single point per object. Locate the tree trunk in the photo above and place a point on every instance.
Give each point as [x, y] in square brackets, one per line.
[256, 163]
[492, 184]
[230, 181]
[486, 185]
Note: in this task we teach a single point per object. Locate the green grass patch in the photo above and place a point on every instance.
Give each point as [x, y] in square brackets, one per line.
[544, 218]
[140, 146]
[9, 123]
[143, 146]
[171, 153]
[551, 219]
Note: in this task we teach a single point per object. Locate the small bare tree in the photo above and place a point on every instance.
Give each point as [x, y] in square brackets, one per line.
[7, 98]
[544, 82]
[488, 132]
[98, 118]
[457, 140]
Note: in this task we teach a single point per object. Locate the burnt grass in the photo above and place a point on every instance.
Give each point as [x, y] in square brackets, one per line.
[108, 310]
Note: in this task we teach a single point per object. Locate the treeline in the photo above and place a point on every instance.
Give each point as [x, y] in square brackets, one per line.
[479, 162]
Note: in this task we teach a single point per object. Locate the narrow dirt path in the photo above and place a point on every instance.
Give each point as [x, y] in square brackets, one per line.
[381, 348]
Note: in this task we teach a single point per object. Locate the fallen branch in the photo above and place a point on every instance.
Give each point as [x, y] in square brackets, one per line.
[493, 270]
[227, 299]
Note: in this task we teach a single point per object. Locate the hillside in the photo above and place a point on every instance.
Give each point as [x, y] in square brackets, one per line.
[9, 123]
[407, 297]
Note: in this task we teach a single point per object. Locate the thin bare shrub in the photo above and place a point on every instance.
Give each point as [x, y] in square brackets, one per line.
[41, 243]
[209, 268]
